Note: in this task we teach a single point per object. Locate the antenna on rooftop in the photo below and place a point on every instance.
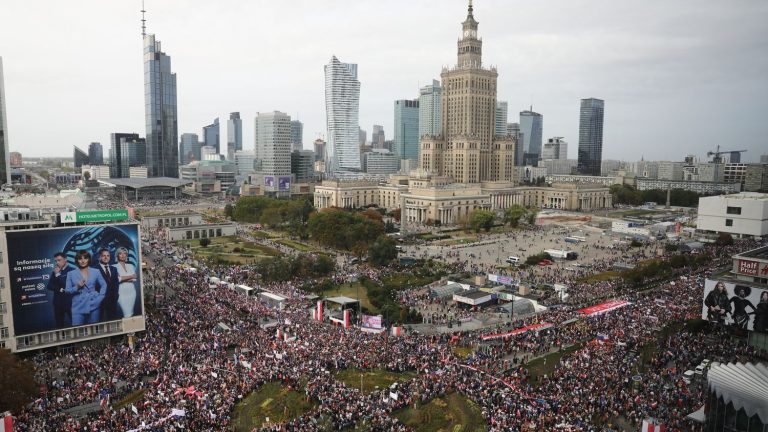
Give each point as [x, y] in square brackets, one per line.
[143, 21]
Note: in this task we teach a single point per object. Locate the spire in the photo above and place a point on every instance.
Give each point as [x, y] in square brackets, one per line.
[469, 9]
[144, 21]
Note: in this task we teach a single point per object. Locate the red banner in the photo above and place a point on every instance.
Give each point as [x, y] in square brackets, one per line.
[604, 307]
[542, 326]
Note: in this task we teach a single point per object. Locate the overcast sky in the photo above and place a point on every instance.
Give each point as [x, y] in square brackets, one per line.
[677, 77]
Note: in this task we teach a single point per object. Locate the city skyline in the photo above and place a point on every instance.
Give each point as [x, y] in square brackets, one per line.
[654, 67]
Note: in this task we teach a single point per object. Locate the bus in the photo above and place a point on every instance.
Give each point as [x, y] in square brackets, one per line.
[575, 239]
[245, 290]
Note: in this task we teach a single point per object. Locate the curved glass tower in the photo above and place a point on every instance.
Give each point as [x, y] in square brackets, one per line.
[342, 108]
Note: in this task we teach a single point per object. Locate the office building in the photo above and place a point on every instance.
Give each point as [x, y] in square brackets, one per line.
[189, 148]
[80, 157]
[273, 144]
[209, 153]
[700, 187]
[513, 130]
[362, 137]
[212, 135]
[468, 151]
[342, 106]
[5, 162]
[234, 134]
[381, 161]
[501, 118]
[133, 153]
[591, 136]
[755, 179]
[16, 160]
[558, 166]
[734, 172]
[319, 145]
[406, 140]
[245, 160]
[96, 154]
[555, 148]
[377, 137]
[297, 135]
[115, 152]
[532, 127]
[430, 108]
[303, 165]
[160, 111]
[742, 214]
[210, 176]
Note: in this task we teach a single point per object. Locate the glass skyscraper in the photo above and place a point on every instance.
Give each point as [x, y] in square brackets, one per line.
[407, 129]
[531, 125]
[297, 135]
[429, 109]
[5, 154]
[501, 118]
[190, 148]
[96, 154]
[80, 157]
[160, 111]
[234, 133]
[212, 134]
[342, 110]
[116, 154]
[591, 136]
[133, 153]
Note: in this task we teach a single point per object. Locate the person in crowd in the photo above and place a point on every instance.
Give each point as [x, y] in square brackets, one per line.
[88, 289]
[57, 282]
[127, 291]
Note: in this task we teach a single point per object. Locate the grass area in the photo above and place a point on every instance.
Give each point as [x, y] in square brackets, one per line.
[601, 277]
[301, 247]
[450, 413]
[400, 281]
[462, 352]
[351, 290]
[455, 242]
[372, 379]
[547, 364]
[230, 249]
[271, 401]
[128, 400]
[264, 234]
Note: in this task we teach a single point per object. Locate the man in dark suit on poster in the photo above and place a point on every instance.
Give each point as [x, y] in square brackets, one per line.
[109, 273]
[57, 281]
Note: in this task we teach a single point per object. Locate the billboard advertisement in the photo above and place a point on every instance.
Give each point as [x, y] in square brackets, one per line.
[284, 183]
[371, 321]
[269, 182]
[68, 277]
[735, 304]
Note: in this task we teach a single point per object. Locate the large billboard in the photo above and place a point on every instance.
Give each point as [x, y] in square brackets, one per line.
[735, 304]
[372, 321]
[68, 277]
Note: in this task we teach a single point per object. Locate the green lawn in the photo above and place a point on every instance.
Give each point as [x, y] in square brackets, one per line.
[372, 378]
[539, 368]
[450, 413]
[272, 401]
[351, 290]
[223, 248]
[301, 247]
[400, 281]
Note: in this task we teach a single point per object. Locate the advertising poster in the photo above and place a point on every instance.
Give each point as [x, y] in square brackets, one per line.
[735, 304]
[269, 181]
[284, 183]
[372, 321]
[68, 277]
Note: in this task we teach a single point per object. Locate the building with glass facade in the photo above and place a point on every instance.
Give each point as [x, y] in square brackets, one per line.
[115, 152]
[591, 136]
[80, 157]
[189, 148]
[297, 135]
[303, 165]
[160, 111]
[501, 118]
[429, 109]
[532, 127]
[380, 161]
[212, 135]
[407, 129]
[96, 154]
[5, 154]
[133, 153]
[245, 161]
[342, 111]
[234, 134]
[273, 143]
[377, 137]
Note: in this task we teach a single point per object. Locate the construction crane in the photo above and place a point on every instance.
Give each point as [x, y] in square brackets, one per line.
[718, 158]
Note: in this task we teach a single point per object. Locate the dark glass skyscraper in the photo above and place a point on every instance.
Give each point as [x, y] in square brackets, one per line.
[212, 135]
[591, 136]
[96, 154]
[532, 126]
[160, 111]
[80, 157]
[116, 153]
[234, 134]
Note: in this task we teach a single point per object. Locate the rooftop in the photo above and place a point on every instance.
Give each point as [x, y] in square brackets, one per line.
[759, 253]
[341, 300]
[138, 183]
[474, 295]
[743, 384]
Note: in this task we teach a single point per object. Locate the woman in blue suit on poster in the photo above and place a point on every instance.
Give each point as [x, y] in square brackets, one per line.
[89, 289]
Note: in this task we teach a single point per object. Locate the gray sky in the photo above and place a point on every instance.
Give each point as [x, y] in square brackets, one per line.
[678, 76]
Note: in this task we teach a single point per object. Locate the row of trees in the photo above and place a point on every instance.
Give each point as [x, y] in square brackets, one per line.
[358, 232]
[654, 269]
[285, 268]
[274, 213]
[485, 219]
[678, 197]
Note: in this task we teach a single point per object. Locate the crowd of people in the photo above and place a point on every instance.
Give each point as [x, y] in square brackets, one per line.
[188, 372]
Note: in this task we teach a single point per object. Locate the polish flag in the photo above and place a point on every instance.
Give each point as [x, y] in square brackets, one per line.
[6, 425]
[649, 425]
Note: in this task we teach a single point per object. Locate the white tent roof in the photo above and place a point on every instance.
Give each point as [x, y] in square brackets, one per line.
[745, 385]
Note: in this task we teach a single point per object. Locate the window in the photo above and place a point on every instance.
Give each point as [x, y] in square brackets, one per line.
[64, 335]
[733, 210]
[729, 222]
[3, 308]
[82, 331]
[4, 333]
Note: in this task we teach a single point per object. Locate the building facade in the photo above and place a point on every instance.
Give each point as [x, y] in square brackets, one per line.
[378, 137]
[591, 136]
[381, 161]
[319, 146]
[555, 148]
[297, 135]
[212, 135]
[501, 118]
[407, 129]
[273, 143]
[467, 150]
[160, 111]
[743, 214]
[5, 162]
[755, 178]
[133, 153]
[513, 130]
[532, 127]
[342, 107]
[234, 134]
[700, 187]
[80, 157]
[245, 161]
[209, 176]
[430, 108]
[95, 154]
[303, 165]
[189, 148]
[115, 152]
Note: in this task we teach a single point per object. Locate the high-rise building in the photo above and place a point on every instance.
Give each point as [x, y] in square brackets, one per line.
[5, 154]
[591, 136]
[407, 129]
[429, 109]
[189, 148]
[468, 150]
[133, 153]
[234, 134]
[380, 161]
[160, 111]
[208, 153]
[297, 135]
[245, 161]
[96, 154]
[377, 137]
[342, 110]
[319, 145]
[212, 135]
[80, 157]
[303, 165]
[115, 152]
[362, 137]
[555, 148]
[513, 130]
[273, 143]
[532, 126]
[501, 118]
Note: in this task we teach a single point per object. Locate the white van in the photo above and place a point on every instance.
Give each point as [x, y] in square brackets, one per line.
[688, 376]
[513, 260]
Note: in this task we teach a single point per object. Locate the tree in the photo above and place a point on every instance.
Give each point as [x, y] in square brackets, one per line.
[481, 219]
[204, 242]
[344, 230]
[396, 214]
[724, 239]
[513, 215]
[87, 175]
[382, 251]
[531, 217]
[17, 379]
[229, 211]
